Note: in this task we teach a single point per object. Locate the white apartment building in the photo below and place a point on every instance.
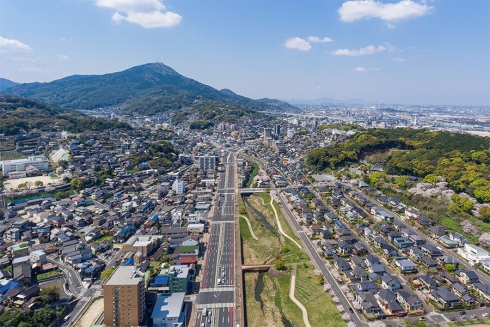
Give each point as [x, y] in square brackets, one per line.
[178, 186]
[473, 253]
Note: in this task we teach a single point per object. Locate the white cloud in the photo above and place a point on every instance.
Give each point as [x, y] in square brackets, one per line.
[398, 59]
[370, 49]
[298, 44]
[31, 69]
[317, 39]
[147, 13]
[364, 70]
[353, 10]
[62, 57]
[7, 45]
[304, 45]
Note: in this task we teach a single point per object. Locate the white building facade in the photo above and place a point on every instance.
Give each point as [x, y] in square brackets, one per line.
[19, 165]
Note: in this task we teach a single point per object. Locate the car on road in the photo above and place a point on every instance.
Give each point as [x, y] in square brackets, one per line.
[485, 314]
[209, 320]
[422, 318]
[67, 318]
[462, 313]
[350, 309]
[452, 319]
[473, 316]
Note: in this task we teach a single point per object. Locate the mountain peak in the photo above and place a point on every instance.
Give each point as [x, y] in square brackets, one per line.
[157, 67]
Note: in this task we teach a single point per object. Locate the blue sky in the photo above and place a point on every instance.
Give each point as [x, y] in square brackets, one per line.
[389, 51]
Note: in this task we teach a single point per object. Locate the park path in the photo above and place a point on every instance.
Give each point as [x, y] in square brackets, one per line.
[277, 220]
[250, 227]
[291, 296]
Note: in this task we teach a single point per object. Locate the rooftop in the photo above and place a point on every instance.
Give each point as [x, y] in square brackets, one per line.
[124, 275]
[168, 306]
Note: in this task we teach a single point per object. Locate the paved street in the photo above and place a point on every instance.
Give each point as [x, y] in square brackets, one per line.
[217, 292]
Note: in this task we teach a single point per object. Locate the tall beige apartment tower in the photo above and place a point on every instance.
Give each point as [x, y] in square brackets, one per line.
[124, 298]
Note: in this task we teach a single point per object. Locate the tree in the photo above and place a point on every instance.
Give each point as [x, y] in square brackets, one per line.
[450, 267]
[485, 239]
[38, 183]
[50, 294]
[402, 181]
[319, 278]
[77, 183]
[431, 178]
[484, 212]
[279, 264]
[107, 273]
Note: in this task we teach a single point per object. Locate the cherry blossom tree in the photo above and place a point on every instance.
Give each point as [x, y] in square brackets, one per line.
[327, 287]
[356, 305]
[317, 272]
[469, 228]
[344, 288]
[346, 316]
[335, 299]
[351, 324]
[31, 170]
[340, 308]
[485, 239]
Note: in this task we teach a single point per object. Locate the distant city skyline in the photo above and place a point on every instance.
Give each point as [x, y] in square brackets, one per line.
[389, 51]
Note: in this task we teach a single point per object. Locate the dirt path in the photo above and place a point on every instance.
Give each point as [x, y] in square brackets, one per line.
[250, 227]
[278, 222]
[291, 296]
[93, 312]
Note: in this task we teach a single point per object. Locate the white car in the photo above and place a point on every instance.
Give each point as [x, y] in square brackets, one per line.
[485, 314]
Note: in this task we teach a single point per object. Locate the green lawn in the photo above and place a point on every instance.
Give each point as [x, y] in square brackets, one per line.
[106, 237]
[244, 230]
[322, 311]
[284, 224]
[254, 173]
[49, 274]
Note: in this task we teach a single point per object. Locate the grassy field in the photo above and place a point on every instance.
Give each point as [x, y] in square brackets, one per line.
[284, 224]
[322, 311]
[7, 144]
[244, 230]
[277, 306]
[11, 155]
[49, 274]
[268, 314]
[254, 173]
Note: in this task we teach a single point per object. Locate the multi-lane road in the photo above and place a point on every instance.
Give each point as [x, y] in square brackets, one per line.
[217, 298]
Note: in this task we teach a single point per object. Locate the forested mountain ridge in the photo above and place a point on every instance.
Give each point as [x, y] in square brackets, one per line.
[146, 89]
[6, 83]
[21, 115]
[464, 160]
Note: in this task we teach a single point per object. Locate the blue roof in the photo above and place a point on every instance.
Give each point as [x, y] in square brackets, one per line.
[143, 164]
[129, 262]
[154, 218]
[160, 280]
[7, 287]
[127, 229]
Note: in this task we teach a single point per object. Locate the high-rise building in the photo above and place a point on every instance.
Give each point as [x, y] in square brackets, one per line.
[267, 133]
[124, 298]
[207, 162]
[277, 129]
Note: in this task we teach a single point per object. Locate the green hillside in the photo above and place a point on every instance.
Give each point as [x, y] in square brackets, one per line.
[20, 115]
[462, 159]
[147, 89]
